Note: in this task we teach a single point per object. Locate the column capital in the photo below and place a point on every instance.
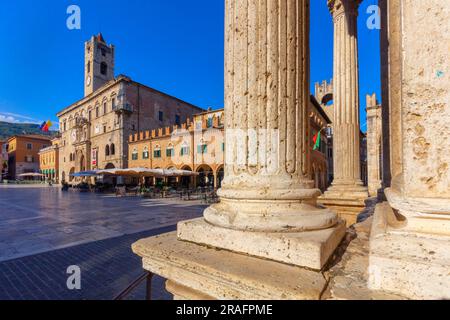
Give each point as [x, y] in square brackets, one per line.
[339, 7]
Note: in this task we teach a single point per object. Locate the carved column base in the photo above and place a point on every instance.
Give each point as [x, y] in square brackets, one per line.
[414, 265]
[305, 249]
[348, 201]
[198, 272]
[268, 210]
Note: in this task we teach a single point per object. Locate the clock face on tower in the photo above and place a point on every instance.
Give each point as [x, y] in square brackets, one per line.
[88, 80]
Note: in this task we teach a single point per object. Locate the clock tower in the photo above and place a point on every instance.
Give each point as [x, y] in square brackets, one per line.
[99, 63]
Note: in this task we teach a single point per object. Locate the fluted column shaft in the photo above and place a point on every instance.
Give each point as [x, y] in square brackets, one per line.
[266, 88]
[346, 132]
[267, 185]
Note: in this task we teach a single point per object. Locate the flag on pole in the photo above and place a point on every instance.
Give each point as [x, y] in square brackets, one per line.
[45, 127]
[316, 140]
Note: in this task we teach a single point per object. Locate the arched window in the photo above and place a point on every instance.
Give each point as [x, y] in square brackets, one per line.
[112, 149]
[184, 149]
[104, 68]
[107, 150]
[145, 153]
[157, 152]
[170, 151]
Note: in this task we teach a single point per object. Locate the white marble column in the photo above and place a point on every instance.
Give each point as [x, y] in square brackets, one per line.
[347, 193]
[267, 185]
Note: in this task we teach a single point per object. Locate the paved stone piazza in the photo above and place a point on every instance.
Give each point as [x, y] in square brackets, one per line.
[44, 230]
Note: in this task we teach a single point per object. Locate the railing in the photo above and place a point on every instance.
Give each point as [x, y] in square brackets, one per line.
[123, 107]
[148, 277]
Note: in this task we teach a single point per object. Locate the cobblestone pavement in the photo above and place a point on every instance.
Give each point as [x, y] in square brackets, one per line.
[107, 268]
[36, 220]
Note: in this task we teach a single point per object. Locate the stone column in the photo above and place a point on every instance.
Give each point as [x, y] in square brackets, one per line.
[410, 241]
[267, 192]
[347, 193]
[373, 144]
[267, 186]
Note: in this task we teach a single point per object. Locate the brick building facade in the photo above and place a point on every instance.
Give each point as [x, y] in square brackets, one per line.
[95, 130]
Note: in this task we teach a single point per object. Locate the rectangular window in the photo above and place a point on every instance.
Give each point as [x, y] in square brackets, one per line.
[96, 112]
[145, 155]
[202, 149]
[209, 123]
[177, 120]
[223, 147]
[134, 156]
[113, 103]
[184, 151]
[29, 146]
[161, 116]
[157, 154]
[104, 108]
[170, 152]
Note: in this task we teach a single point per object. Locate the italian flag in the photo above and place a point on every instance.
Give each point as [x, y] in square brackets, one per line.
[316, 140]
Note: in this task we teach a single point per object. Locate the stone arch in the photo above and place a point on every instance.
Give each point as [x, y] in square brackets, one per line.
[185, 181]
[110, 166]
[72, 171]
[205, 177]
[326, 99]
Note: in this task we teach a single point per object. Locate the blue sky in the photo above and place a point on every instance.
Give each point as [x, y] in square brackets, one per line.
[172, 45]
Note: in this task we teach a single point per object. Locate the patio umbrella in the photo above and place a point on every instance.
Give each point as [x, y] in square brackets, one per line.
[144, 172]
[84, 174]
[30, 174]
